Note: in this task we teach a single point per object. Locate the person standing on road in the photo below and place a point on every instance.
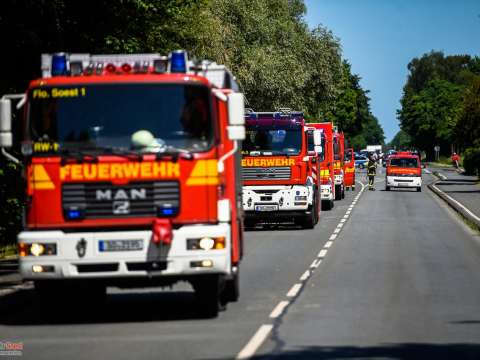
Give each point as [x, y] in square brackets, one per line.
[371, 171]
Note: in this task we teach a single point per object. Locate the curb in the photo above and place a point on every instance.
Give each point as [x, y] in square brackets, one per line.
[463, 211]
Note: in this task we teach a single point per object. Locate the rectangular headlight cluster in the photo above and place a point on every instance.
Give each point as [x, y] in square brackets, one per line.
[206, 243]
[37, 249]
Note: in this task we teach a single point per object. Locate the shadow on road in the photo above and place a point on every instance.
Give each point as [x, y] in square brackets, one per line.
[408, 351]
[23, 308]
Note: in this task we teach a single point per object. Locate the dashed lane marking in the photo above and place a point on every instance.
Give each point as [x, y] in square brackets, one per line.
[255, 342]
[279, 309]
[264, 330]
[294, 290]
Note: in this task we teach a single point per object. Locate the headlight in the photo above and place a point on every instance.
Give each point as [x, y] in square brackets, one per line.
[37, 249]
[206, 243]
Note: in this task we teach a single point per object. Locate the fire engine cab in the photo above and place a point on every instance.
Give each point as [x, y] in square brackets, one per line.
[403, 170]
[278, 181]
[133, 175]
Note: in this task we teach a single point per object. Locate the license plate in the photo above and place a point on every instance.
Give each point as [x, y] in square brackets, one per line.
[120, 245]
[266, 207]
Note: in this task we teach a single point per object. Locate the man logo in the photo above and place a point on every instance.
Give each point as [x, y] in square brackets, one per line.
[121, 194]
[121, 207]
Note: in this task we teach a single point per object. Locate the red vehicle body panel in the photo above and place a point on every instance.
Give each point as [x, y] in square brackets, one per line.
[326, 166]
[349, 169]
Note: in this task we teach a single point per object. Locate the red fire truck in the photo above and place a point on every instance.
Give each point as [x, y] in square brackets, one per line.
[349, 169]
[326, 164]
[278, 181]
[133, 175]
[338, 154]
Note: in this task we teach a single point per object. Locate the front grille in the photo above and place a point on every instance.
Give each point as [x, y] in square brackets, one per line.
[103, 200]
[266, 173]
[92, 268]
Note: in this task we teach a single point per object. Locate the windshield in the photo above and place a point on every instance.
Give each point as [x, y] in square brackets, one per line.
[404, 162]
[348, 156]
[272, 142]
[140, 117]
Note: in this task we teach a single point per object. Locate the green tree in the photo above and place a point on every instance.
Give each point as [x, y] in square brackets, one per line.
[401, 140]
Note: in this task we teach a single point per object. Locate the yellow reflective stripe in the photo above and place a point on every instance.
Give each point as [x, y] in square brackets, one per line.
[204, 173]
[41, 180]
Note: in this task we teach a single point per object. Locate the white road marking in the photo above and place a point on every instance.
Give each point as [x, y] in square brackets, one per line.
[343, 220]
[339, 225]
[316, 263]
[456, 202]
[279, 309]
[348, 212]
[337, 230]
[328, 244]
[294, 290]
[255, 342]
[333, 237]
[322, 253]
[305, 275]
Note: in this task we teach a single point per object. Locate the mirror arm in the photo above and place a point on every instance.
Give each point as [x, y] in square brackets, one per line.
[9, 157]
[221, 161]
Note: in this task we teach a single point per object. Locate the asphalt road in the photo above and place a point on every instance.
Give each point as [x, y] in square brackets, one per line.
[385, 275]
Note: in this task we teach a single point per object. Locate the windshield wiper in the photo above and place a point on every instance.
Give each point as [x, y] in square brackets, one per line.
[129, 154]
[174, 152]
[79, 155]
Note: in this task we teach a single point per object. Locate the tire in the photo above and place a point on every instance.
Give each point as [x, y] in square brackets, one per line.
[308, 222]
[343, 193]
[327, 204]
[207, 291]
[231, 291]
[419, 189]
[353, 187]
[338, 192]
[387, 188]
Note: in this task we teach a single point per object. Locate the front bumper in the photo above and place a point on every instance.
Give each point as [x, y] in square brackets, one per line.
[277, 198]
[174, 260]
[403, 181]
[338, 179]
[326, 192]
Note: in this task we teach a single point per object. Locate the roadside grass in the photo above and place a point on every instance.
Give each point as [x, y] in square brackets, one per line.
[8, 250]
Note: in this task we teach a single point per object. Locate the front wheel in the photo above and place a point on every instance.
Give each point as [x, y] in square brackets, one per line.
[419, 189]
[338, 192]
[207, 291]
[231, 291]
[387, 188]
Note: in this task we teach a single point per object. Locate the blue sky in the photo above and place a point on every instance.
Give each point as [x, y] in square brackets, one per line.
[380, 37]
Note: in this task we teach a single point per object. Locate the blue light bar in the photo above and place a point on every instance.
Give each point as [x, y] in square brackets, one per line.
[59, 64]
[178, 61]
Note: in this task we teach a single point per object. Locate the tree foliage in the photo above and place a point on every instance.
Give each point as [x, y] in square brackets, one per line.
[401, 140]
[439, 100]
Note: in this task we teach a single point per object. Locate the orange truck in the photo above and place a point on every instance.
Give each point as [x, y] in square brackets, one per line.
[338, 164]
[278, 180]
[133, 175]
[349, 169]
[326, 159]
[403, 170]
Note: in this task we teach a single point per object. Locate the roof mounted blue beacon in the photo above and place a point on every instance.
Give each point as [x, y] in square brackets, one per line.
[178, 61]
[59, 64]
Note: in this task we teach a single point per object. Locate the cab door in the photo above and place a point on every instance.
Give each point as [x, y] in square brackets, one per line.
[349, 168]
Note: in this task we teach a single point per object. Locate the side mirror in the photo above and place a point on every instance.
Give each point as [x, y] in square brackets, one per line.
[318, 149]
[317, 139]
[236, 109]
[236, 132]
[5, 123]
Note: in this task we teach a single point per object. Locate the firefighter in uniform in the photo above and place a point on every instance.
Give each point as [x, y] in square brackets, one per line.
[371, 171]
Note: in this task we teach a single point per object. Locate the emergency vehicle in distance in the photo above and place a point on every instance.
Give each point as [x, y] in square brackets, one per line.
[133, 176]
[338, 165]
[403, 170]
[278, 182]
[349, 169]
[327, 187]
